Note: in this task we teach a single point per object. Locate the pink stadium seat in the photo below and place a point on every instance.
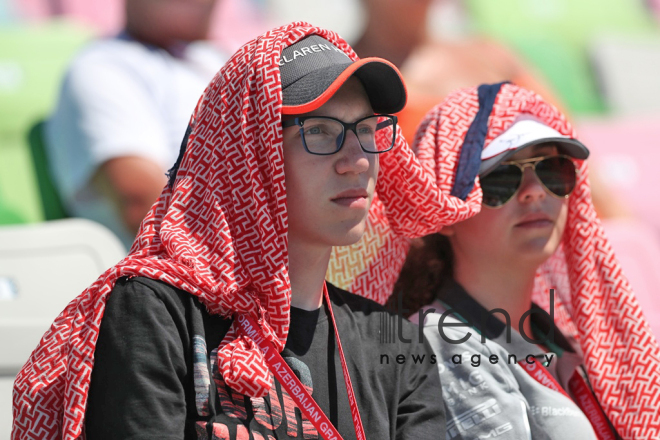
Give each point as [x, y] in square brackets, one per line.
[655, 8]
[626, 154]
[637, 246]
[234, 23]
[103, 15]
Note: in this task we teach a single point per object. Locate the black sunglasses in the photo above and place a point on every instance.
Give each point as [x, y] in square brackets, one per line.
[556, 173]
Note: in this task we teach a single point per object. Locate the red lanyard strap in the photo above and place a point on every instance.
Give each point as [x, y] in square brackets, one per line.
[541, 374]
[584, 398]
[355, 412]
[589, 405]
[290, 382]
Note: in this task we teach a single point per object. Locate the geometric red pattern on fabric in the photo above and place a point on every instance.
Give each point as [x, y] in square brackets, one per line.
[595, 300]
[410, 203]
[219, 234]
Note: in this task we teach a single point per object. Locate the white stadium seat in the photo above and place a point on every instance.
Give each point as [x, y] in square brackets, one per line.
[43, 266]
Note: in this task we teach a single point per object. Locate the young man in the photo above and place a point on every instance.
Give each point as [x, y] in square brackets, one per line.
[272, 174]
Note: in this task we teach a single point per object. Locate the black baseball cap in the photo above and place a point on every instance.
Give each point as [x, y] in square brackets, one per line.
[313, 69]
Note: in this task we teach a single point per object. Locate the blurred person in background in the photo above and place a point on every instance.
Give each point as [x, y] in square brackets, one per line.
[123, 109]
[397, 30]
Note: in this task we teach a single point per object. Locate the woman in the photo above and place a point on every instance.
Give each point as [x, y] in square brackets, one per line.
[278, 165]
[508, 366]
[593, 301]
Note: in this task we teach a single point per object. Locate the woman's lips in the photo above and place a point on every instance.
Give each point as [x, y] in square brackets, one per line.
[535, 224]
[535, 221]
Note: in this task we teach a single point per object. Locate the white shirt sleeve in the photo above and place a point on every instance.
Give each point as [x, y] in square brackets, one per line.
[104, 111]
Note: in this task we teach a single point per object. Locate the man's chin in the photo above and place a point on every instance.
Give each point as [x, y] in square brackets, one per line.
[352, 236]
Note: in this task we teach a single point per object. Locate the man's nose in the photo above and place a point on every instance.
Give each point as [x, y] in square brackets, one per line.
[352, 158]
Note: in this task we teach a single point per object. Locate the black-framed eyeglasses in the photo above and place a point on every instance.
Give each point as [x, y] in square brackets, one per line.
[556, 173]
[324, 135]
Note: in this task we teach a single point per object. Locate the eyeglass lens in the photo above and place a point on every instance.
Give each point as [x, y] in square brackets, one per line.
[326, 136]
[500, 185]
[556, 173]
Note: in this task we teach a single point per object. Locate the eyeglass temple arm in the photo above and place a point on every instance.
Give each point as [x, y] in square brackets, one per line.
[289, 122]
[532, 160]
[386, 123]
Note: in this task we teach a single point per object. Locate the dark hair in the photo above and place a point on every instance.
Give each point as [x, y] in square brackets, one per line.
[428, 265]
[172, 172]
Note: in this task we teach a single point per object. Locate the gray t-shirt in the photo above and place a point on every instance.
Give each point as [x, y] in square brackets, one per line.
[488, 395]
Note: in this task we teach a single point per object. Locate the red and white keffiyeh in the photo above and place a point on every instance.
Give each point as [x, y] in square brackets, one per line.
[597, 303]
[219, 234]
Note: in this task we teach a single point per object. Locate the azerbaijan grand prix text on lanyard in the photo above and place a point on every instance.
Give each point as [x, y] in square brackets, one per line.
[290, 382]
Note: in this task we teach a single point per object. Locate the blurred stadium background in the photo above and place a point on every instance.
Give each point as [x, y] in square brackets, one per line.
[601, 58]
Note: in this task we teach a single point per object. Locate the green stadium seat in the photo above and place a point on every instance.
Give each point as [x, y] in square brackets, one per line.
[566, 67]
[555, 36]
[51, 202]
[33, 60]
[19, 196]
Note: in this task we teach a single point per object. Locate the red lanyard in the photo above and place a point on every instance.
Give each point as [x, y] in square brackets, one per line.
[290, 382]
[583, 396]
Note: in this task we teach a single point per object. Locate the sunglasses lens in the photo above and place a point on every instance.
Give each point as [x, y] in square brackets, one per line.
[557, 174]
[500, 185]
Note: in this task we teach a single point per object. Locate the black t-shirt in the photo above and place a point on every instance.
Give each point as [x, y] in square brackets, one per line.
[155, 373]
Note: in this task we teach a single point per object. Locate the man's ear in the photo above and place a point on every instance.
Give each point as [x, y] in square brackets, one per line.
[447, 231]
